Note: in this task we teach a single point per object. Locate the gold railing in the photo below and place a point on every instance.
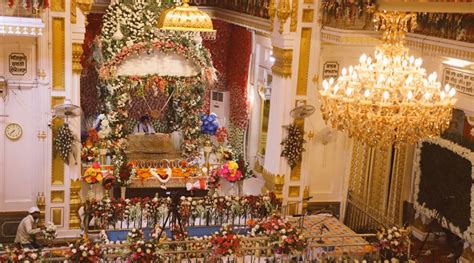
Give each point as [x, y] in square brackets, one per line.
[253, 8]
[252, 249]
[364, 219]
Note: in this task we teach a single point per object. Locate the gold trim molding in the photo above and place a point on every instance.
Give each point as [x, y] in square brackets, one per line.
[58, 5]
[57, 164]
[59, 63]
[74, 204]
[303, 64]
[283, 13]
[57, 196]
[294, 16]
[283, 61]
[76, 57]
[294, 191]
[428, 45]
[308, 15]
[73, 11]
[272, 13]
[256, 23]
[57, 216]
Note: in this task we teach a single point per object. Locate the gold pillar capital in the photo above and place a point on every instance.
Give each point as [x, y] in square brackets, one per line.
[85, 6]
[283, 62]
[76, 57]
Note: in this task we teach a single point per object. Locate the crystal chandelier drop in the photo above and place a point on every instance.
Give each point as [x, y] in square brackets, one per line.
[188, 19]
[386, 99]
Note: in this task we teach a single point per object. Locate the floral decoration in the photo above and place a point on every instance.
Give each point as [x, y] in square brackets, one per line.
[142, 173]
[93, 174]
[293, 145]
[89, 153]
[84, 251]
[129, 29]
[107, 212]
[225, 242]
[125, 174]
[209, 124]
[63, 142]
[49, 232]
[428, 213]
[230, 171]
[135, 235]
[221, 135]
[21, 255]
[27, 4]
[142, 251]
[393, 243]
[108, 181]
[282, 236]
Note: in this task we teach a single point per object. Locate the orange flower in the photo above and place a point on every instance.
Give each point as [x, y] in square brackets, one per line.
[143, 173]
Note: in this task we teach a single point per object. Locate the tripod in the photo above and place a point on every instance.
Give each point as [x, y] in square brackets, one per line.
[173, 216]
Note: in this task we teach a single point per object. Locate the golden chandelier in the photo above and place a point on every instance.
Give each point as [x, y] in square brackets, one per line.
[386, 99]
[187, 18]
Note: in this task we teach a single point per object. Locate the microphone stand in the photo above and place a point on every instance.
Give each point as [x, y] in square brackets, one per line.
[302, 216]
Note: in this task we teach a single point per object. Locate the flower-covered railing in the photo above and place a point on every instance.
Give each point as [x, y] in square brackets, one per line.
[253, 8]
[277, 241]
[24, 8]
[113, 214]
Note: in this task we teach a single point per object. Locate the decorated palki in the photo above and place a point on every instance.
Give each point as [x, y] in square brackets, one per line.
[130, 40]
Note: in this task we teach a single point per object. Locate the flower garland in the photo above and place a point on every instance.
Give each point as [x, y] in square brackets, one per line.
[225, 242]
[21, 255]
[393, 243]
[426, 212]
[283, 237]
[84, 251]
[63, 142]
[293, 145]
[107, 212]
[129, 29]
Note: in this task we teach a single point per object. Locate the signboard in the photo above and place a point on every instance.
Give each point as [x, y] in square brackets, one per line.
[330, 70]
[461, 80]
[17, 64]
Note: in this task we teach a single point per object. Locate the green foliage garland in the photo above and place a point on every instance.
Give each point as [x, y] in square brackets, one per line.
[293, 145]
[63, 142]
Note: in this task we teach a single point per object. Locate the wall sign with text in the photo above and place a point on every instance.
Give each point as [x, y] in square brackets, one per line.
[461, 80]
[17, 64]
[330, 69]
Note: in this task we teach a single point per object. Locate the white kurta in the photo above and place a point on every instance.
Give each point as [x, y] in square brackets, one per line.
[26, 230]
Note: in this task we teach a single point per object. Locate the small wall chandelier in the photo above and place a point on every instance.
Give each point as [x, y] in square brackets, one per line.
[386, 99]
[188, 19]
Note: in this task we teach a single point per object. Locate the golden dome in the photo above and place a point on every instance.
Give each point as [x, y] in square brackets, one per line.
[185, 18]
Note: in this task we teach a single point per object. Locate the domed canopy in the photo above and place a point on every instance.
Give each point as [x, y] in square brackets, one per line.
[185, 18]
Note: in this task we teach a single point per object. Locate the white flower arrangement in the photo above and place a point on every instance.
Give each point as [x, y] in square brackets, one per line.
[426, 213]
[50, 231]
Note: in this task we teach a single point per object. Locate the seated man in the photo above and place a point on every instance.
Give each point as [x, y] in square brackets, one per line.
[27, 230]
[144, 125]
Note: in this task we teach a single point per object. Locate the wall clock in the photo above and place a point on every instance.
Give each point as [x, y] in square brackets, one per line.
[13, 131]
